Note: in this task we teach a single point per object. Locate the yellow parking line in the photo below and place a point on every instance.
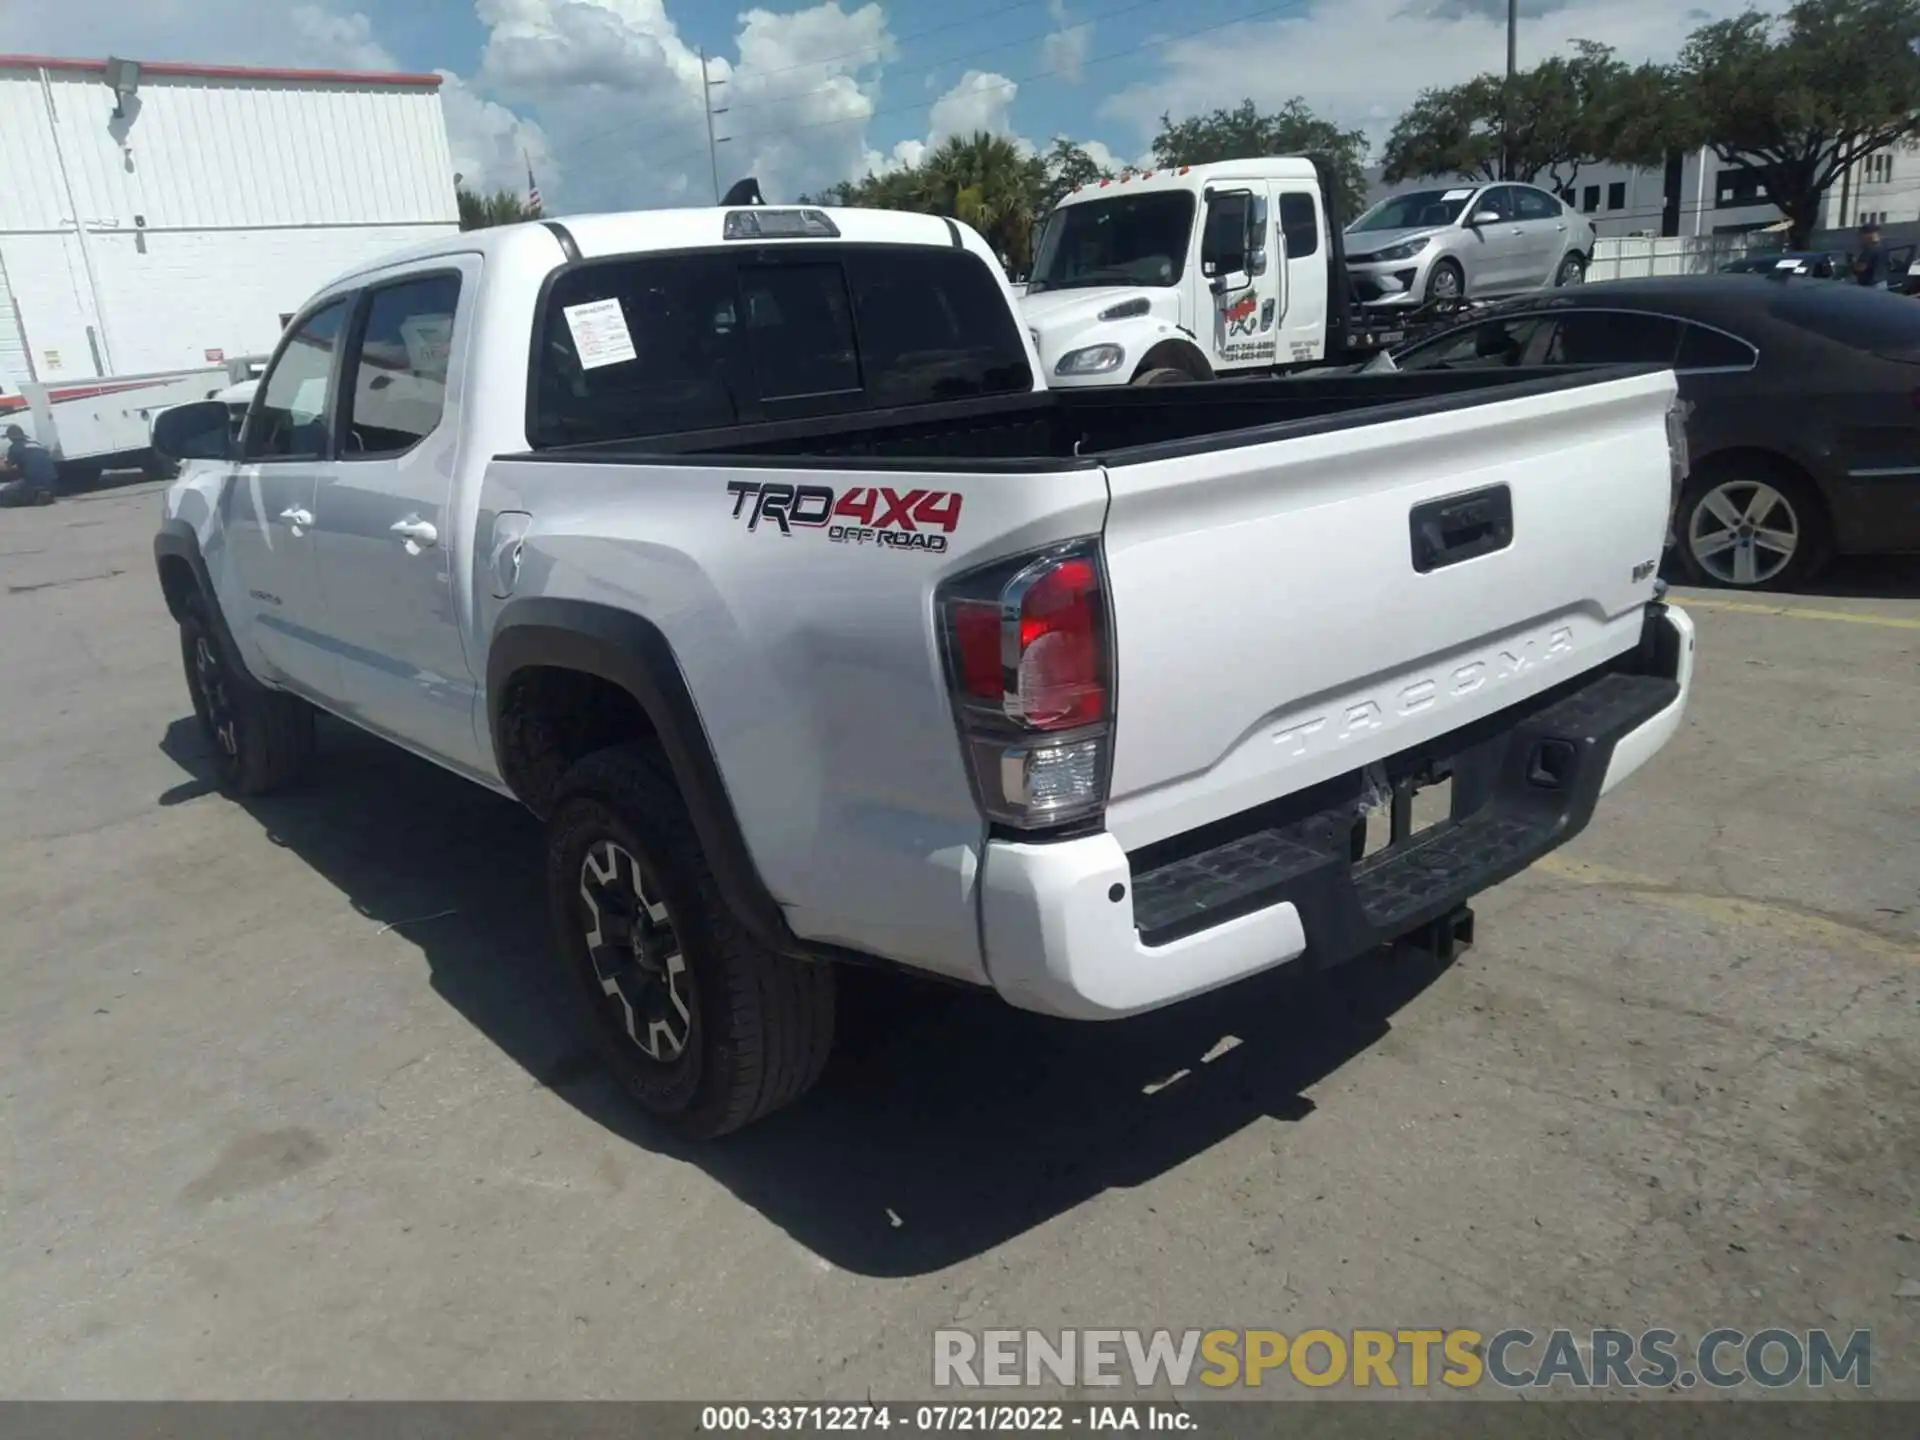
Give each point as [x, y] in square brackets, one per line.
[1746, 607]
[1780, 919]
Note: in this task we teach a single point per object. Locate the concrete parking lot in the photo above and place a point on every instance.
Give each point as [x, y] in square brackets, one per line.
[294, 1106]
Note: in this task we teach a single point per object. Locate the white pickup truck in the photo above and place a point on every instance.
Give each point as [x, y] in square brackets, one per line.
[748, 548]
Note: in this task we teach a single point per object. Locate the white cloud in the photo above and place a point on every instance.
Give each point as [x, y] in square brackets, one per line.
[1064, 52]
[493, 146]
[620, 96]
[980, 101]
[328, 38]
[1332, 55]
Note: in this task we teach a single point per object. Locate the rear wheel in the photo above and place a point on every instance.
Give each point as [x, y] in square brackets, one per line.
[1751, 523]
[703, 1026]
[1573, 269]
[260, 739]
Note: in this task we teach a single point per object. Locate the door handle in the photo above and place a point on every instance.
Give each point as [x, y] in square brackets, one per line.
[297, 519]
[419, 534]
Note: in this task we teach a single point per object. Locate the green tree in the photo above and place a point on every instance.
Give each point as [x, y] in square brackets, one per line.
[502, 207]
[1244, 132]
[1565, 112]
[1800, 100]
[1068, 167]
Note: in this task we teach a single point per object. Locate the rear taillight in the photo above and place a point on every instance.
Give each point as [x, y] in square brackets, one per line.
[1030, 663]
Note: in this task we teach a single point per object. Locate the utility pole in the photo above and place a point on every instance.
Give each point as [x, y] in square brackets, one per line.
[706, 103]
[1506, 102]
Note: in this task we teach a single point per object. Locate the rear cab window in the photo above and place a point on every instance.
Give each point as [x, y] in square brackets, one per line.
[659, 344]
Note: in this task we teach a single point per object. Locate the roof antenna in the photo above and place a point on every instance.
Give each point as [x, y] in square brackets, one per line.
[744, 192]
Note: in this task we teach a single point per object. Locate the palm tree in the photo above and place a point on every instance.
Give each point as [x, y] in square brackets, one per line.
[984, 181]
[503, 207]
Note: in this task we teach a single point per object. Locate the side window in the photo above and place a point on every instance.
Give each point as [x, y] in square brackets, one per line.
[1535, 204]
[1299, 225]
[1498, 199]
[642, 346]
[799, 324]
[1490, 345]
[291, 419]
[1223, 249]
[1611, 337]
[1704, 349]
[399, 367]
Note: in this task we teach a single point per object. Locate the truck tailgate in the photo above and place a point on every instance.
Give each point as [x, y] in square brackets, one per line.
[1290, 610]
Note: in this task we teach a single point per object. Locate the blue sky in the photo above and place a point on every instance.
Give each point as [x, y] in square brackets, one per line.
[605, 94]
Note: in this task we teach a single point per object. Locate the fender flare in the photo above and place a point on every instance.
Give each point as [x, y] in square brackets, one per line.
[176, 540]
[631, 652]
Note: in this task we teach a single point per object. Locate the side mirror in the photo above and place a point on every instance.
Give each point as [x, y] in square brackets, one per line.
[1235, 279]
[1484, 217]
[199, 431]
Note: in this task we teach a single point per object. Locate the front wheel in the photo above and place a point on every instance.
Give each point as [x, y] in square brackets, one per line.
[1162, 375]
[1572, 270]
[1751, 525]
[1446, 281]
[703, 1026]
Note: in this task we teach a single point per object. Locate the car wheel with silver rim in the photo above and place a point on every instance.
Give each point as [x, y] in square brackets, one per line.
[1572, 271]
[1751, 524]
[706, 1028]
[1446, 281]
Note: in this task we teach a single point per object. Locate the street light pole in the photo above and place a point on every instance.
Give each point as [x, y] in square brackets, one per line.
[706, 104]
[1506, 103]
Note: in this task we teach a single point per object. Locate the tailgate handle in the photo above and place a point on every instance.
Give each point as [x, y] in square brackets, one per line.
[1460, 527]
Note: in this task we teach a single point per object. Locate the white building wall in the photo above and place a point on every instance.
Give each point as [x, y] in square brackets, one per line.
[215, 205]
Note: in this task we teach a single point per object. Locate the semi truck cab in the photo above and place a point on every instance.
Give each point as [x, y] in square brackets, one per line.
[1190, 273]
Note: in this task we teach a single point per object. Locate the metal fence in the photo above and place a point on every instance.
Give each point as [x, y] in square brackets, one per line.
[1632, 257]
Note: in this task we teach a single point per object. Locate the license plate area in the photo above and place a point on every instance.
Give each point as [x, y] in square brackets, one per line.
[1396, 815]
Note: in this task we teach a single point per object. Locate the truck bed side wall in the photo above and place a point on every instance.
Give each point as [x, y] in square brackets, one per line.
[815, 666]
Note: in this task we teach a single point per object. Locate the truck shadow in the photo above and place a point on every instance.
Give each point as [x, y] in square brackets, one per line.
[947, 1123]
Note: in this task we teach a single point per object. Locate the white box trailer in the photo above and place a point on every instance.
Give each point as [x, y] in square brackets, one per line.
[107, 423]
[157, 219]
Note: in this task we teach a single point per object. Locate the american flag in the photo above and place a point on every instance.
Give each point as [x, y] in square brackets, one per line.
[533, 186]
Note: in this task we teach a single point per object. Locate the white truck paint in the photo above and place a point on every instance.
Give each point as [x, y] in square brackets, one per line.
[749, 547]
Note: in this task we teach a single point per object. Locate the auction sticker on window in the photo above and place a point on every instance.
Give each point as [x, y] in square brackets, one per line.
[599, 333]
[1456, 195]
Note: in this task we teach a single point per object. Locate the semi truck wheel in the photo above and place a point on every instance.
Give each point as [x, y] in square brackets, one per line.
[704, 1027]
[261, 739]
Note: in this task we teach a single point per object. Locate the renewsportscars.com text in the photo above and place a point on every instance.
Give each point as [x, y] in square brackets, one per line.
[1512, 1359]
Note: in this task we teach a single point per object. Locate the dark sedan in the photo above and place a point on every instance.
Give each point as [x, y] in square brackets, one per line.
[1820, 264]
[1804, 429]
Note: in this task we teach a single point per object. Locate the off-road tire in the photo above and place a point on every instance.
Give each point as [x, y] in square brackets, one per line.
[260, 739]
[761, 1024]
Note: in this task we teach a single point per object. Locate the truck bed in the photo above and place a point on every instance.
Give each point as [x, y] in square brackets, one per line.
[1071, 429]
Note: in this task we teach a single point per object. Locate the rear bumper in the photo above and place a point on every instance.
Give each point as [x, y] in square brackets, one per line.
[1082, 929]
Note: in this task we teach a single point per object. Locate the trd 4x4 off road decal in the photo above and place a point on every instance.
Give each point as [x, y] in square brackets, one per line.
[864, 515]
